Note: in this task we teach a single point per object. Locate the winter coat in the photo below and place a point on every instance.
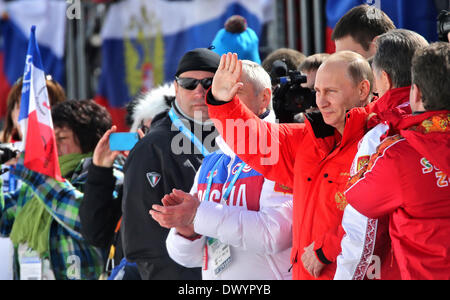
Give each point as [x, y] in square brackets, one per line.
[407, 180]
[313, 159]
[101, 208]
[163, 160]
[256, 222]
[71, 256]
[356, 255]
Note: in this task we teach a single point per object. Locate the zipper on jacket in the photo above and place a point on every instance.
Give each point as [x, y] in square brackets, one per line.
[293, 261]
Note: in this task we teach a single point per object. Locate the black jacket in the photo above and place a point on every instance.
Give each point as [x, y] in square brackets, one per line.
[101, 210]
[154, 167]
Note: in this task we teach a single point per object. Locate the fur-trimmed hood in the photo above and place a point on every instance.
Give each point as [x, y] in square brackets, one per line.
[151, 104]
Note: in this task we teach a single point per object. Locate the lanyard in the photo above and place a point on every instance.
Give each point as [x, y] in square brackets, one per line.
[224, 197]
[232, 182]
[179, 124]
[110, 263]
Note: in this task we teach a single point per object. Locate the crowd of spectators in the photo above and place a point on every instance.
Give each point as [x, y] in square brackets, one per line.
[238, 174]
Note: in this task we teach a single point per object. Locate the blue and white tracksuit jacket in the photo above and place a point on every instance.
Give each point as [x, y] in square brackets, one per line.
[256, 221]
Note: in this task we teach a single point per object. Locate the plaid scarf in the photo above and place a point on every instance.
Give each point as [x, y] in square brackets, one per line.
[33, 221]
[70, 255]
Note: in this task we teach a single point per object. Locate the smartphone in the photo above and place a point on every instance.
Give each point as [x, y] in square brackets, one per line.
[123, 141]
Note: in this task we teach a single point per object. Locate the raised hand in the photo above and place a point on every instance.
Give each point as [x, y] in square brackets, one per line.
[103, 156]
[226, 82]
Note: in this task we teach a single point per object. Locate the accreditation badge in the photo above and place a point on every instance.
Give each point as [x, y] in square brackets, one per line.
[220, 255]
[32, 267]
[30, 263]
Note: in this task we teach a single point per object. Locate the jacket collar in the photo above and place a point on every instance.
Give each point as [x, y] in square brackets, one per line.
[326, 136]
[426, 122]
[395, 98]
[182, 115]
[318, 125]
[428, 133]
[388, 108]
[355, 125]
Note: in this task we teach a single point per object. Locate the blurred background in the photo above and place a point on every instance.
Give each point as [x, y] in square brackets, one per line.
[112, 51]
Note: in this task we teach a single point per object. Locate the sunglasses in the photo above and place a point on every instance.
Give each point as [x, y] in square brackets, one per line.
[192, 83]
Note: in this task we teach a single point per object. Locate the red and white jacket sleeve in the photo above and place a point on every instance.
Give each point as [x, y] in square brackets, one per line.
[374, 195]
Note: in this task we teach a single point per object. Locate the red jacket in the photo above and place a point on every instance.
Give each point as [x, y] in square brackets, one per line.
[311, 158]
[407, 180]
[390, 107]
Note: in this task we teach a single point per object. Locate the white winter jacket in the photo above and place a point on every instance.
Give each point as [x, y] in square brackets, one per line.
[256, 222]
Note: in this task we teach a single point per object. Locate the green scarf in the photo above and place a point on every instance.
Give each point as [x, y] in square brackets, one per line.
[33, 221]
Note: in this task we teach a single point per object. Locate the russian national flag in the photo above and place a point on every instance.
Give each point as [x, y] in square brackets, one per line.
[16, 19]
[35, 116]
[416, 15]
[144, 40]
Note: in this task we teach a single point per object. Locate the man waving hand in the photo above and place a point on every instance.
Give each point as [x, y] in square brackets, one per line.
[312, 158]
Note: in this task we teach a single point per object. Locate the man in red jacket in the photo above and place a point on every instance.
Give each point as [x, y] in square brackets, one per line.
[313, 158]
[392, 74]
[407, 178]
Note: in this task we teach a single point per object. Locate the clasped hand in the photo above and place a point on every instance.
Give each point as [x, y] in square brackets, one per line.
[178, 211]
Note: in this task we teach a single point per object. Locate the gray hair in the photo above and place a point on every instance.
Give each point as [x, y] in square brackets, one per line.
[255, 74]
[395, 51]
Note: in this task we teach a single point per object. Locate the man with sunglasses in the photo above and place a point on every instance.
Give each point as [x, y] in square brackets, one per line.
[168, 157]
[234, 223]
[189, 90]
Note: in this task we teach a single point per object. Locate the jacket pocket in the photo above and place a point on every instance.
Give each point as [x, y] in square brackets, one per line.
[336, 183]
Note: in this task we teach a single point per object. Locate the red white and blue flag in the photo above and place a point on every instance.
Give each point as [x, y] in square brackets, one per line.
[143, 41]
[16, 19]
[35, 116]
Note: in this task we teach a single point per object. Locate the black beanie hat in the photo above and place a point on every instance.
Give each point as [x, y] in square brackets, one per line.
[200, 59]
